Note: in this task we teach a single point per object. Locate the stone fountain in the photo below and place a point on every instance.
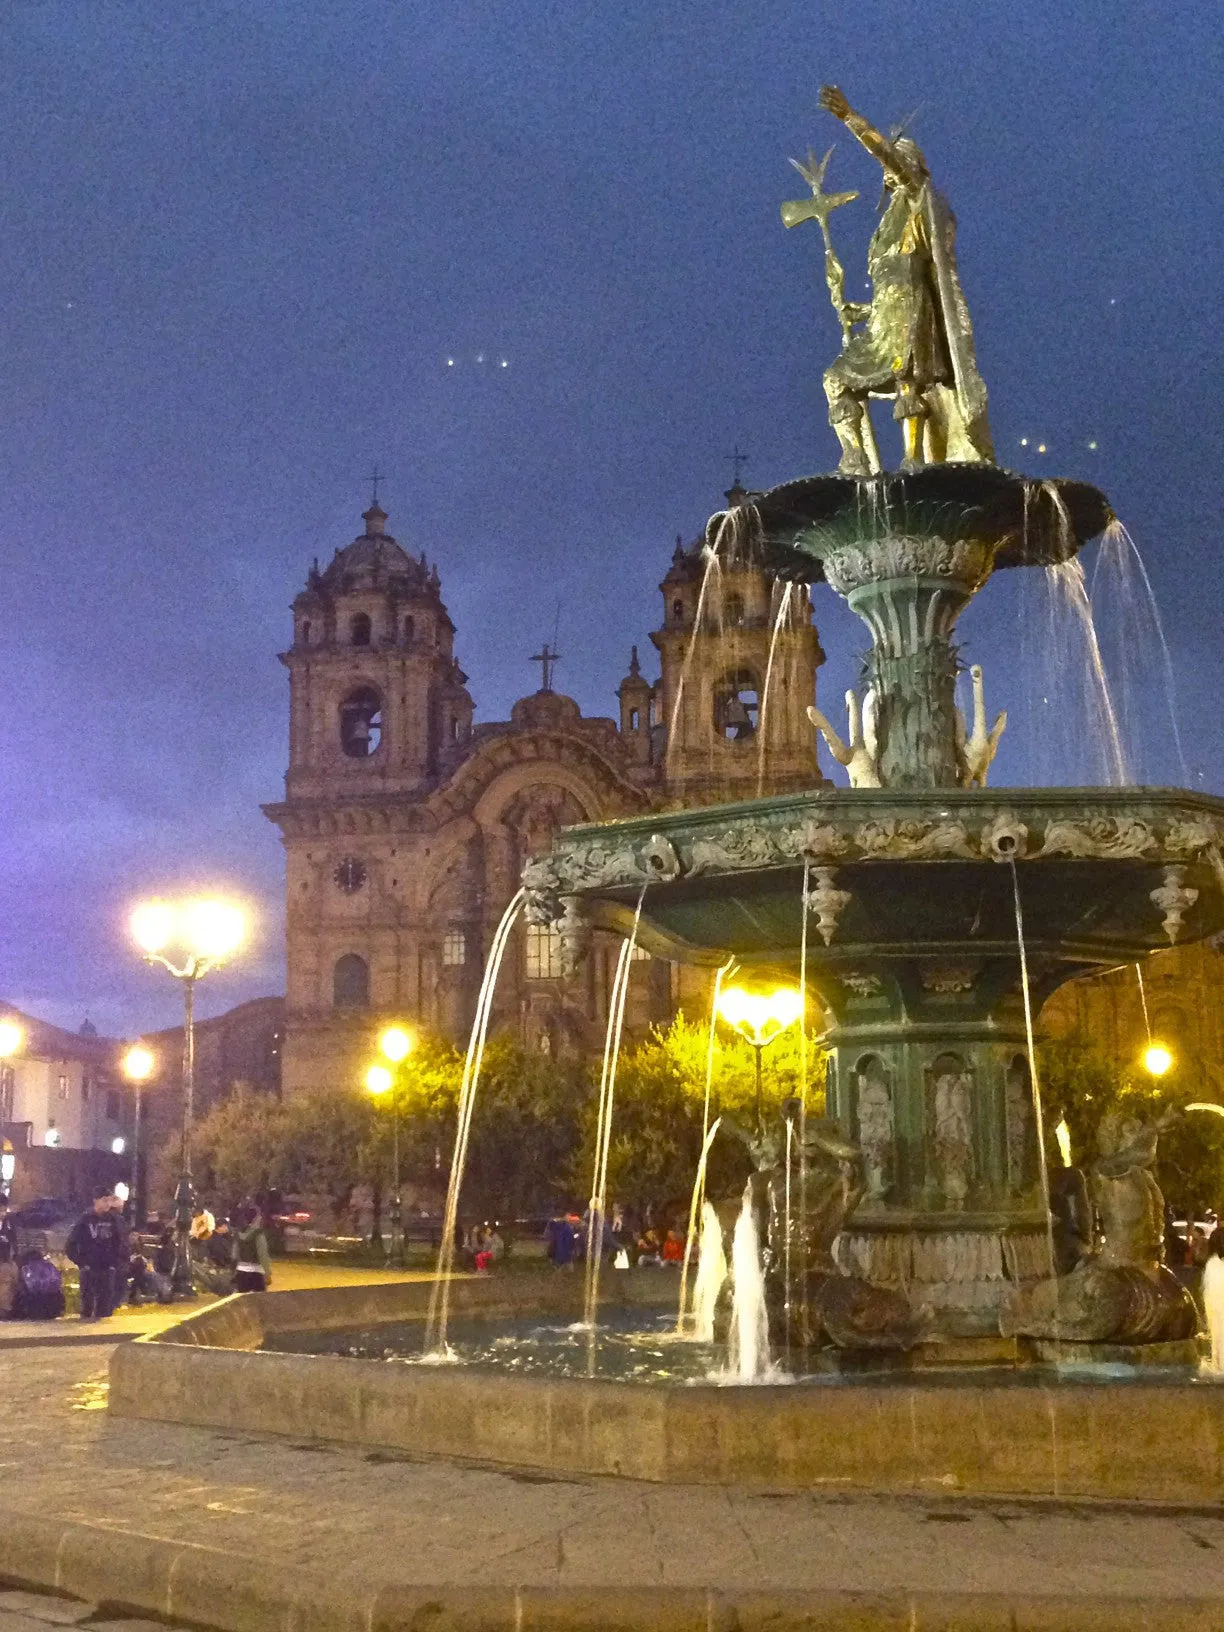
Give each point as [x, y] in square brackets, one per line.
[914, 880]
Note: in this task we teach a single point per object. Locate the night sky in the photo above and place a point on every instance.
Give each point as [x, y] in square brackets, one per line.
[241, 241]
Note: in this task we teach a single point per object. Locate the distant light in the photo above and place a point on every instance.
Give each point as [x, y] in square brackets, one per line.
[1024, 441]
[118, 1146]
[760, 1016]
[53, 1137]
[138, 1063]
[378, 1079]
[1041, 447]
[480, 356]
[1092, 445]
[396, 1043]
[121, 1191]
[450, 362]
[8, 1166]
[1156, 1059]
[153, 925]
[11, 1038]
[505, 363]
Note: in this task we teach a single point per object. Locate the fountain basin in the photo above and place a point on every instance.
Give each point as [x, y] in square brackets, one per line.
[1028, 1433]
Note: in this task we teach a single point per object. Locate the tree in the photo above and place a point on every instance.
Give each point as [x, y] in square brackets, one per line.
[1082, 1085]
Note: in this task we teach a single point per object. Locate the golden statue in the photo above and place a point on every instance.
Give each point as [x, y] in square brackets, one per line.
[916, 340]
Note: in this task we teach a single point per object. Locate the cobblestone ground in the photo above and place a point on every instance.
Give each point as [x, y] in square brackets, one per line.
[383, 1517]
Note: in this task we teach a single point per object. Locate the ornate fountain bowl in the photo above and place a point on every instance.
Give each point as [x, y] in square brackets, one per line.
[911, 944]
[957, 521]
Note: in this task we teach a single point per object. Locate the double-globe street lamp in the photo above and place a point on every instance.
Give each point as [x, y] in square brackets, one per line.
[202, 934]
[395, 1045]
[760, 1018]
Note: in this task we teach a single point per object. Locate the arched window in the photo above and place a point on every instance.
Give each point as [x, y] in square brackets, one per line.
[456, 729]
[736, 706]
[678, 609]
[359, 630]
[361, 722]
[733, 611]
[409, 629]
[635, 719]
[351, 982]
[306, 633]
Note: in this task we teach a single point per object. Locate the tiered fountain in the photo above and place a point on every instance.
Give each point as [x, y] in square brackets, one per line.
[924, 890]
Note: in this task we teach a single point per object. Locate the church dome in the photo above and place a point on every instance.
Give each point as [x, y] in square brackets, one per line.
[374, 559]
[545, 711]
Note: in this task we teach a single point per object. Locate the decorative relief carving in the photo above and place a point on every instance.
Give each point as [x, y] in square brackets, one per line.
[948, 978]
[1192, 835]
[1098, 836]
[1174, 897]
[1005, 838]
[962, 561]
[660, 858]
[861, 983]
[827, 902]
[750, 844]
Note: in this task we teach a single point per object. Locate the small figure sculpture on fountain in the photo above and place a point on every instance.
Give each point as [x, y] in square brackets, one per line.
[1121, 1292]
[916, 344]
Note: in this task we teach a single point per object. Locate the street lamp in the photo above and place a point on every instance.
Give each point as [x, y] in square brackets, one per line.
[395, 1045]
[138, 1065]
[1157, 1059]
[204, 933]
[760, 1017]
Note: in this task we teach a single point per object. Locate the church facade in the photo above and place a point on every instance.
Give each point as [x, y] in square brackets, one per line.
[406, 825]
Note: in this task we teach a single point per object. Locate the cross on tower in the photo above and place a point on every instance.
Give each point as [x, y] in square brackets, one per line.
[376, 476]
[738, 461]
[546, 657]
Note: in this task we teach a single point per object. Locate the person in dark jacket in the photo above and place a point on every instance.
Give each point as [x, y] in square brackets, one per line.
[98, 1245]
[252, 1262]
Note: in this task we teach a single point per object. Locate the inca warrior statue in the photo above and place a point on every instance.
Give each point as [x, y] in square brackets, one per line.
[916, 341]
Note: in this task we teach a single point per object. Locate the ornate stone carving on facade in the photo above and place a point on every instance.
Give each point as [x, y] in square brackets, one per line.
[575, 935]
[860, 983]
[1098, 836]
[1018, 1123]
[952, 1129]
[660, 858]
[1174, 898]
[749, 844]
[962, 561]
[915, 840]
[1005, 838]
[1192, 836]
[874, 1109]
[945, 979]
[817, 841]
[827, 902]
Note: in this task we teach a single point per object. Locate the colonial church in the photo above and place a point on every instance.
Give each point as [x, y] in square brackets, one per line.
[406, 825]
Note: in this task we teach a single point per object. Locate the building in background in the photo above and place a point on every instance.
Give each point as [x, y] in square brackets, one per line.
[406, 826]
[63, 1110]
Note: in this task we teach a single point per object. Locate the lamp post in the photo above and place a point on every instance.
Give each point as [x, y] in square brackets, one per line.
[11, 1038]
[204, 933]
[138, 1065]
[760, 1018]
[395, 1045]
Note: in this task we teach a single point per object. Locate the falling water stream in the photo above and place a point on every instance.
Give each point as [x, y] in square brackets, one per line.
[707, 1139]
[748, 1339]
[1043, 1166]
[780, 618]
[439, 1300]
[711, 1273]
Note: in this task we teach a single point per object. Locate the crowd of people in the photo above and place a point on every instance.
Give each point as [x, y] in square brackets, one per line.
[567, 1237]
[114, 1265]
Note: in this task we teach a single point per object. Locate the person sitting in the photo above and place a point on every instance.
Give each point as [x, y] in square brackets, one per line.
[482, 1251]
[252, 1261]
[649, 1248]
[673, 1248]
[40, 1287]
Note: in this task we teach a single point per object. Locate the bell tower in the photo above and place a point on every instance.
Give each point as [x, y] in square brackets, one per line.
[378, 703]
[739, 655]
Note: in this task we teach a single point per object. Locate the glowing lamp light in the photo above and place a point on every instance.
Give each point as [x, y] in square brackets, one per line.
[760, 1016]
[1063, 1135]
[118, 1146]
[378, 1079]
[138, 1063]
[1156, 1059]
[53, 1137]
[396, 1044]
[153, 926]
[11, 1038]
[8, 1166]
[121, 1191]
[213, 929]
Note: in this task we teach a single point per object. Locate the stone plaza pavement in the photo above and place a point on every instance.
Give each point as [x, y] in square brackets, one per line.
[367, 1539]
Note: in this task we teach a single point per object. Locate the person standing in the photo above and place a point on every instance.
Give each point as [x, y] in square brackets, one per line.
[252, 1261]
[98, 1245]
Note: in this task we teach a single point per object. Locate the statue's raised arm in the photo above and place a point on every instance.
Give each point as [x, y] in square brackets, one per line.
[894, 162]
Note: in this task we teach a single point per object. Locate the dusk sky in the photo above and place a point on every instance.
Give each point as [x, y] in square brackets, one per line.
[241, 242]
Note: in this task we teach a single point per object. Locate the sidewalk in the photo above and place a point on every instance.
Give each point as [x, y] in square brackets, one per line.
[288, 1274]
[251, 1535]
